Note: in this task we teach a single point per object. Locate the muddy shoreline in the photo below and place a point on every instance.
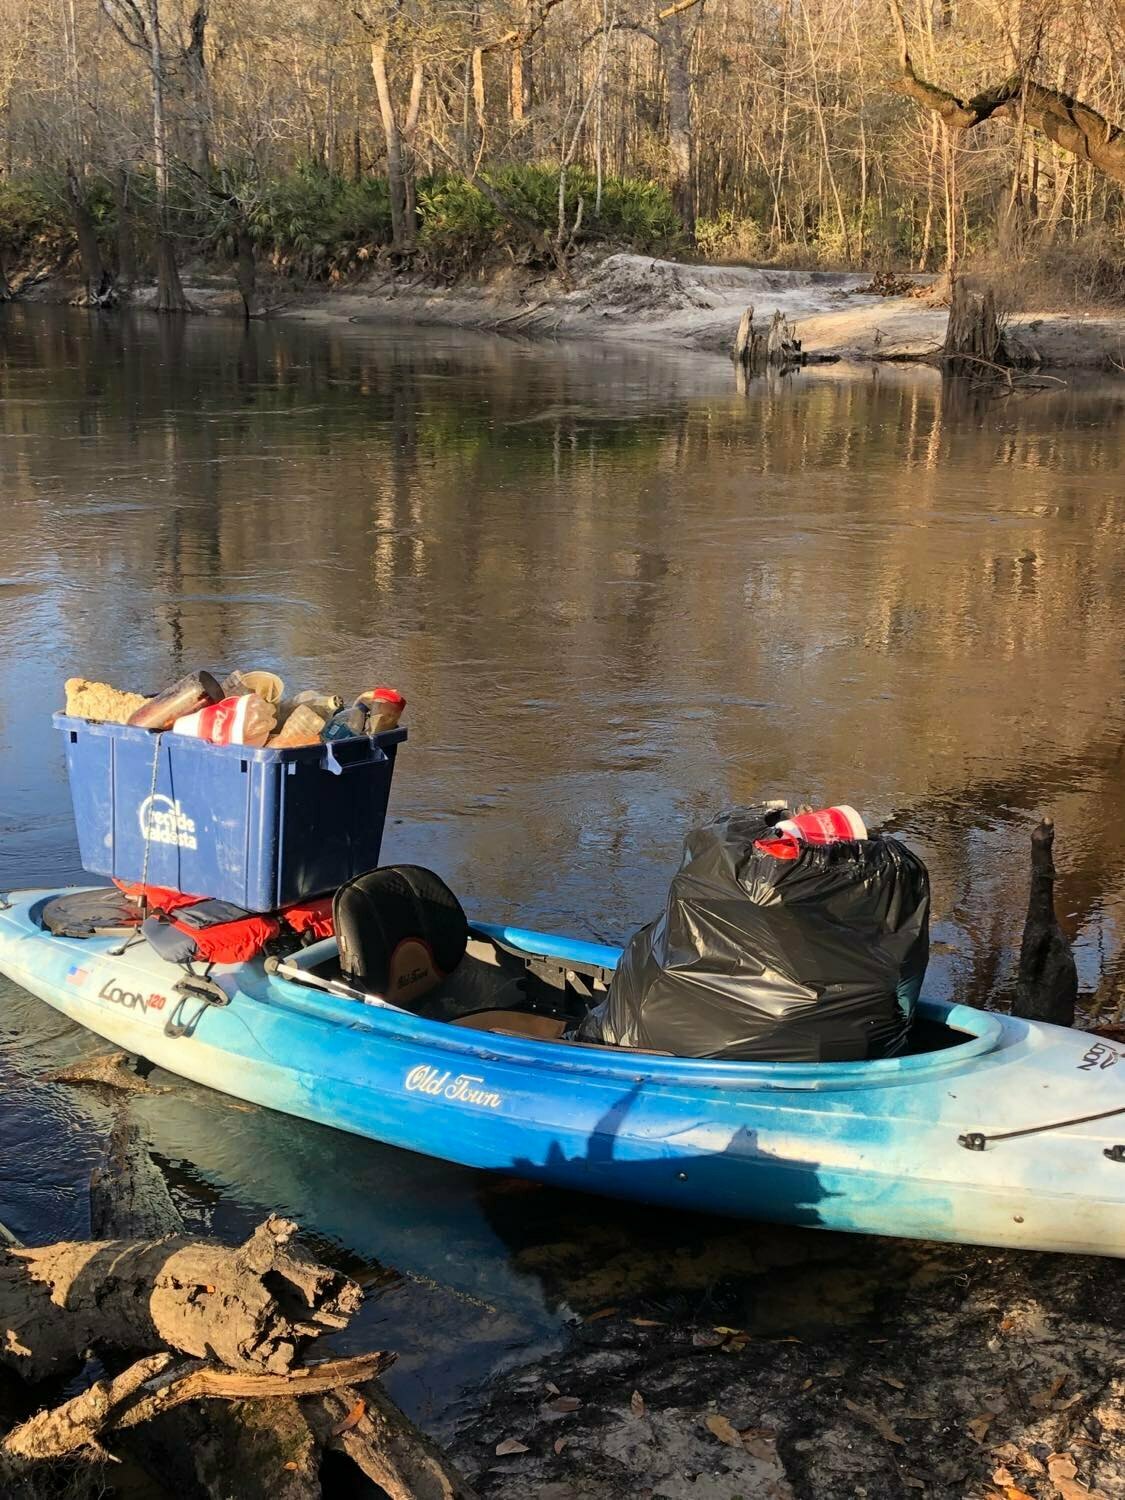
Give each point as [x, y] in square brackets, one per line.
[979, 1374]
[646, 300]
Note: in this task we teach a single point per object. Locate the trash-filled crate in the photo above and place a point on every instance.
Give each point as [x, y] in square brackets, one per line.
[258, 827]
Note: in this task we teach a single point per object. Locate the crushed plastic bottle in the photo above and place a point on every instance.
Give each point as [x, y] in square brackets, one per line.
[267, 685]
[302, 727]
[243, 720]
[324, 704]
[383, 707]
[345, 725]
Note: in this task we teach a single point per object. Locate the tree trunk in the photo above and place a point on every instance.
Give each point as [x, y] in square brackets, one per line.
[399, 139]
[5, 287]
[126, 250]
[198, 89]
[677, 38]
[169, 293]
[169, 290]
[98, 282]
[246, 271]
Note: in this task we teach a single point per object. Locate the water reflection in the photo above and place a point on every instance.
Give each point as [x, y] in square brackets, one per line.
[618, 594]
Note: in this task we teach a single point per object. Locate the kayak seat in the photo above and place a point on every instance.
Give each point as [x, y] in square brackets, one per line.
[401, 932]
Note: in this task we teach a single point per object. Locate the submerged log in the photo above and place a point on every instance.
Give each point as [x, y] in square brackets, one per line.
[109, 1069]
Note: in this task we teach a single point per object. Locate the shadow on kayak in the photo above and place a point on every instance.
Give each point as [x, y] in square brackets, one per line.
[768, 1186]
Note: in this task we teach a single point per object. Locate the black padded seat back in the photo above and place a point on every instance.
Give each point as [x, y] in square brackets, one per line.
[401, 930]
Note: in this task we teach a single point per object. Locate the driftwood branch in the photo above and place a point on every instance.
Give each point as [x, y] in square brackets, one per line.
[1071, 124]
[157, 1385]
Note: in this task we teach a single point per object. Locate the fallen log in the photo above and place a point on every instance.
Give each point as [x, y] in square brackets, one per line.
[368, 1427]
[254, 1307]
[195, 1423]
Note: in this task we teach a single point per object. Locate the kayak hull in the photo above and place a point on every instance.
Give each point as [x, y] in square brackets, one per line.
[863, 1147]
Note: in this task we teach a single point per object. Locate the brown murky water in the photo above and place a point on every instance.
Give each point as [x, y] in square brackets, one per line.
[618, 594]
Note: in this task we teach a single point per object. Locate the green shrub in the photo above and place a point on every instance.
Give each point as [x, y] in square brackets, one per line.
[29, 210]
[458, 221]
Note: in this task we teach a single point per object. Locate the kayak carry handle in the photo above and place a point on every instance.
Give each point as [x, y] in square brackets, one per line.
[342, 755]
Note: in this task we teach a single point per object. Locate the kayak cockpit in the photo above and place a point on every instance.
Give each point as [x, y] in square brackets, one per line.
[540, 987]
[496, 986]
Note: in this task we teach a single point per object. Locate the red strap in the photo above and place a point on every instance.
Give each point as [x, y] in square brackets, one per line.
[313, 916]
[231, 942]
[159, 897]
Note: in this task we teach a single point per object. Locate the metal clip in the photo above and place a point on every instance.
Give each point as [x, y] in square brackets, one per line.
[974, 1141]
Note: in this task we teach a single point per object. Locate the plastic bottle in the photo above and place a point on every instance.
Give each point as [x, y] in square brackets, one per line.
[345, 725]
[302, 727]
[184, 697]
[383, 707]
[324, 704]
[245, 720]
[827, 825]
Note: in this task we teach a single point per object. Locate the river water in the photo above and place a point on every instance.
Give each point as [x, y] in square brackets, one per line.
[618, 593]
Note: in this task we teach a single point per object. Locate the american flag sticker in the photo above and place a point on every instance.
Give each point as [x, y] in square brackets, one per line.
[76, 974]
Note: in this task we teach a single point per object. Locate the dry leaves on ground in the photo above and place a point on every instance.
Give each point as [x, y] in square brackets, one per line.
[602, 1312]
[1062, 1471]
[564, 1403]
[637, 1404]
[510, 1445]
[978, 1426]
[1042, 1399]
[351, 1419]
[876, 1420]
[724, 1429]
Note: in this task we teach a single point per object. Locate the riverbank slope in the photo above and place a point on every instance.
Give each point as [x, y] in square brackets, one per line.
[646, 300]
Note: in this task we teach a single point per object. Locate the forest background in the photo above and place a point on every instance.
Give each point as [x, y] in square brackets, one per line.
[319, 136]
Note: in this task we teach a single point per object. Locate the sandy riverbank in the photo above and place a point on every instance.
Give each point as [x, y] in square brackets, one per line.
[643, 300]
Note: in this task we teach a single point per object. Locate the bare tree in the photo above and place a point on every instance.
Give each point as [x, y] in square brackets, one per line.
[140, 28]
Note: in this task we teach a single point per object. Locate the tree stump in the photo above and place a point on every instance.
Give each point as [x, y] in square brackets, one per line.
[974, 339]
[777, 349]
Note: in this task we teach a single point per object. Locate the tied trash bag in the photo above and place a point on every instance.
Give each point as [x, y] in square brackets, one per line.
[814, 957]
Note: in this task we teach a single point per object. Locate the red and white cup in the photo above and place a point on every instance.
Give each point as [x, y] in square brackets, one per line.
[828, 825]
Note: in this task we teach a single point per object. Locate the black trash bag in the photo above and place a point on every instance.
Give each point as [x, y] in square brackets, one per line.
[814, 959]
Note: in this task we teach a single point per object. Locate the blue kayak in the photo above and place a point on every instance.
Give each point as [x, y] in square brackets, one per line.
[992, 1130]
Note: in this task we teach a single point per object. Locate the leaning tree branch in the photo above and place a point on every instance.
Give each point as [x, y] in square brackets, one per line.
[1072, 125]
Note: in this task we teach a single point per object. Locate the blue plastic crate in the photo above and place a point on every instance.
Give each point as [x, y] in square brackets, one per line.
[260, 828]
